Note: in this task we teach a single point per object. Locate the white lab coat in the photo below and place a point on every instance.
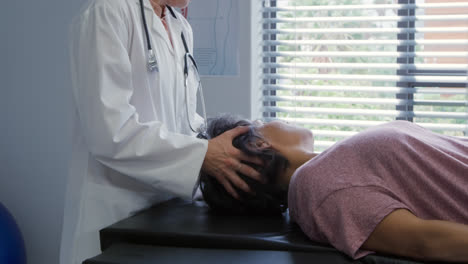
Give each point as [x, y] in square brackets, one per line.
[133, 146]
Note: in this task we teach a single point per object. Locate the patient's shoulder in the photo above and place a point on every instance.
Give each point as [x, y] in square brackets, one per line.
[384, 138]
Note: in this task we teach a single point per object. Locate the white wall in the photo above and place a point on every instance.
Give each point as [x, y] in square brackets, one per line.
[34, 106]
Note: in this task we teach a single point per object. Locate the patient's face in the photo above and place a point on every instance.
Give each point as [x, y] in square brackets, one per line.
[295, 143]
[283, 135]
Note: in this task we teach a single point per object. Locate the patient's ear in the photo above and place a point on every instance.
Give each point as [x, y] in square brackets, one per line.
[262, 144]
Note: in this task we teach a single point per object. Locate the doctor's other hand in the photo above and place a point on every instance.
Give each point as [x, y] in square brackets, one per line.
[223, 161]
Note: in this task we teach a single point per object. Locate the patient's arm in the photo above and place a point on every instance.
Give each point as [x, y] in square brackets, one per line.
[402, 233]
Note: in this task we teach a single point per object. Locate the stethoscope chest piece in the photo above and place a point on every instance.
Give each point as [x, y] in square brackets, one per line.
[152, 63]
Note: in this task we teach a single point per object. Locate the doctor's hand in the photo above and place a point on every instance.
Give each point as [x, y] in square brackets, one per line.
[223, 161]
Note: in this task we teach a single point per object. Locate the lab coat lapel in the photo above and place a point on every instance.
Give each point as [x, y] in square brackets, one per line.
[175, 28]
[155, 25]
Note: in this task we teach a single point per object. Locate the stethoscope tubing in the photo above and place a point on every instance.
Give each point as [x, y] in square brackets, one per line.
[145, 26]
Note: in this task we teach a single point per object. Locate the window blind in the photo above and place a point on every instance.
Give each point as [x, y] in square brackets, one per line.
[341, 66]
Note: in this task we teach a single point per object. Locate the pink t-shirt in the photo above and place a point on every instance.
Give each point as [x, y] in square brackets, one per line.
[341, 195]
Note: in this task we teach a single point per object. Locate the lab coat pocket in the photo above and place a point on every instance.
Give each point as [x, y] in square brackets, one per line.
[154, 97]
[192, 90]
[147, 94]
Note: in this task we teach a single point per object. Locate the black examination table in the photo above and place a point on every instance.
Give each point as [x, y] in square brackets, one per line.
[178, 231]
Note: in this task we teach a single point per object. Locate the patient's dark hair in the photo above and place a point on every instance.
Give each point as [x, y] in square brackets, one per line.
[268, 198]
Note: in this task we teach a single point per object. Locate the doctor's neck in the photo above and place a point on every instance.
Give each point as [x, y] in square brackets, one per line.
[158, 6]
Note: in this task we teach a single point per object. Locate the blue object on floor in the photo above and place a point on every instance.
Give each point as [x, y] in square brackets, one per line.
[12, 250]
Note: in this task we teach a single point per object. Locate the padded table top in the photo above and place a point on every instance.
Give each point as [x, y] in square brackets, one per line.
[166, 223]
[179, 223]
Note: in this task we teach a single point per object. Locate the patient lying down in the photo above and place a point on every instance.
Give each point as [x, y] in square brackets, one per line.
[395, 188]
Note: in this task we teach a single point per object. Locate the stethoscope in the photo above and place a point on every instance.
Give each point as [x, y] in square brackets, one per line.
[152, 65]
